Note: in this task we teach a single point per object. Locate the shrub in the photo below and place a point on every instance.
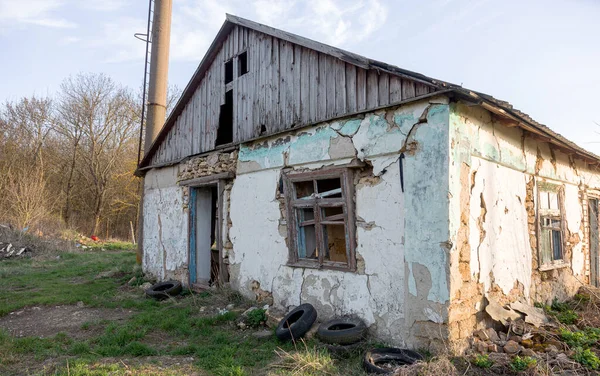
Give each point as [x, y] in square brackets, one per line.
[522, 363]
[584, 339]
[559, 307]
[567, 317]
[483, 361]
[586, 358]
[256, 317]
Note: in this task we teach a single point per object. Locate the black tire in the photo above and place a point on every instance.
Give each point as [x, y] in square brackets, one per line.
[163, 290]
[376, 357]
[296, 323]
[343, 331]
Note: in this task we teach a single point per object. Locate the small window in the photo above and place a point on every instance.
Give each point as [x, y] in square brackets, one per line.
[243, 63]
[321, 228]
[228, 71]
[550, 222]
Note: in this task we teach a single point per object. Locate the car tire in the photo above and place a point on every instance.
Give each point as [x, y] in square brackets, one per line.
[342, 331]
[163, 290]
[376, 357]
[296, 323]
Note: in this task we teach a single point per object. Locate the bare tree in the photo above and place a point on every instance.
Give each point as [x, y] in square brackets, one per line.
[102, 114]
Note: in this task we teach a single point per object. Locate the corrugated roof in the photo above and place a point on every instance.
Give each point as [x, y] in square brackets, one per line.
[497, 106]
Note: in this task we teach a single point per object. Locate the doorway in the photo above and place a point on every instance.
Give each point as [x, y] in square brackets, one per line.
[594, 242]
[204, 257]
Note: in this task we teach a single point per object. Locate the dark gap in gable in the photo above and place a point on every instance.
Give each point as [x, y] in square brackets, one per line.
[225, 130]
[228, 71]
[243, 63]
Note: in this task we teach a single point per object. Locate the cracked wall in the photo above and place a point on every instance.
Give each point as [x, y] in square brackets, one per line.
[401, 287]
[165, 226]
[494, 169]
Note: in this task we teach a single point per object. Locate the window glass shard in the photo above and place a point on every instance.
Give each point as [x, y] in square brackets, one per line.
[335, 243]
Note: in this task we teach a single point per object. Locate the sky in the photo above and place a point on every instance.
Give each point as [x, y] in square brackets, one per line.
[543, 56]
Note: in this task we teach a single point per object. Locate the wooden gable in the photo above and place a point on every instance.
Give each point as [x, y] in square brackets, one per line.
[287, 85]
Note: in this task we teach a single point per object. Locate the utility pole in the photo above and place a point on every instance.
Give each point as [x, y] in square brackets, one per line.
[160, 37]
[159, 69]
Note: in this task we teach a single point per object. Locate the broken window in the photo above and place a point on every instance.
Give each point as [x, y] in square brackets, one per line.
[228, 71]
[225, 130]
[243, 63]
[321, 228]
[550, 222]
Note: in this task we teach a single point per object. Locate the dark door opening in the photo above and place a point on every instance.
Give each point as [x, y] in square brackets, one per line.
[225, 130]
[594, 242]
[204, 265]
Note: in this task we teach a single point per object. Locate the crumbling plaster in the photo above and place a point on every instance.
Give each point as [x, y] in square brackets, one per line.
[165, 225]
[401, 286]
[494, 167]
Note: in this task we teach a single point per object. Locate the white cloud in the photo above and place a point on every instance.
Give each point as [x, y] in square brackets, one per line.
[196, 22]
[69, 40]
[36, 12]
[103, 5]
[117, 39]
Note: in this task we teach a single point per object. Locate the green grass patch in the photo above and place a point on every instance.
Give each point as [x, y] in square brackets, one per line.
[581, 338]
[586, 358]
[483, 361]
[519, 364]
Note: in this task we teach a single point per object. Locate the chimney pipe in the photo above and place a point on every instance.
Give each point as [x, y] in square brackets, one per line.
[159, 68]
[157, 93]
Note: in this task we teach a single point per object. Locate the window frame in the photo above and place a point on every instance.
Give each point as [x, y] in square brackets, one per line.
[293, 204]
[551, 214]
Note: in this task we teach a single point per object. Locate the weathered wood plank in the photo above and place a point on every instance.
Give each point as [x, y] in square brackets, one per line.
[304, 107]
[350, 88]
[322, 89]
[421, 89]
[408, 89]
[296, 68]
[372, 89]
[331, 89]
[361, 89]
[275, 85]
[395, 89]
[313, 85]
[384, 89]
[340, 87]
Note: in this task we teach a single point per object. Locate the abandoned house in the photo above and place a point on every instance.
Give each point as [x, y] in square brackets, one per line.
[297, 172]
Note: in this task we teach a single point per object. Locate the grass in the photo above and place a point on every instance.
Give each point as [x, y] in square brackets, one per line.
[483, 361]
[172, 328]
[519, 364]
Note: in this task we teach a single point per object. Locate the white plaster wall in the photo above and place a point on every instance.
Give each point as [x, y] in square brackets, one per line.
[501, 253]
[501, 161]
[378, 291]
[165, 226]
[261, 254]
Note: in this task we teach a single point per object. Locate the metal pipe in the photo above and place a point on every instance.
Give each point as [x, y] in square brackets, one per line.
[159, 68]
[157, 92]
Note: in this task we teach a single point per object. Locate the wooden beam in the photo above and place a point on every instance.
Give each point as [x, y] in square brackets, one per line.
[206, 180]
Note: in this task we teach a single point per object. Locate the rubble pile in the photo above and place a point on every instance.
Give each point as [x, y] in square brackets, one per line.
[8, 250]
[559, 336]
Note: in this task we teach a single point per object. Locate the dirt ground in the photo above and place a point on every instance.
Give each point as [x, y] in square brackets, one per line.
[44, 322]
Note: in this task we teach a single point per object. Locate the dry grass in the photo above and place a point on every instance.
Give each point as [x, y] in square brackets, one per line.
[437, 366]
[306, 362]
[40, 246]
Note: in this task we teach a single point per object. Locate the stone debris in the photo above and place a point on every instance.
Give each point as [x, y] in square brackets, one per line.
[501, 314]
[511, 347]
[534, 316]
[8, 250]
[263, 334]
